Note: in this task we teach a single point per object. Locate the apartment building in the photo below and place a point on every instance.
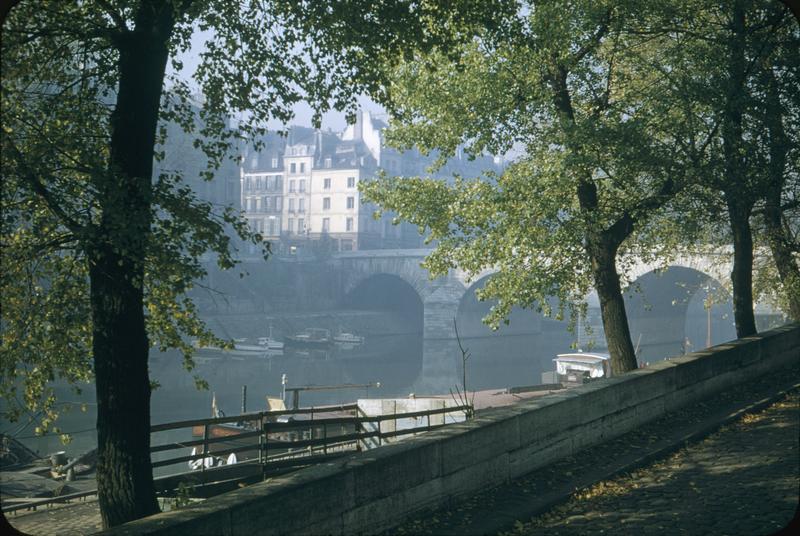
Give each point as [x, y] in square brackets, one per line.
[301, 191]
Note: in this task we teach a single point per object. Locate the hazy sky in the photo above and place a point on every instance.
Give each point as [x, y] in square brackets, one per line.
[303, 113]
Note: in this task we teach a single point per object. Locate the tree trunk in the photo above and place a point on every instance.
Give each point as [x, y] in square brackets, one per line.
[603, 255]
[777, 236]
[601, 246]
[734, 183]
[124, 475]
[782, 255]
[742, 274]
[117, 267]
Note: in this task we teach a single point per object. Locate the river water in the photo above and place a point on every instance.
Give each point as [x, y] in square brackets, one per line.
[394, 361]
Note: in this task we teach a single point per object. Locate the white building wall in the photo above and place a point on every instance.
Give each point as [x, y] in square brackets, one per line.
[337, 194]
[297, 186]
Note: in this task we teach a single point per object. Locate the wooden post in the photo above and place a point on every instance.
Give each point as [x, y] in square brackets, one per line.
[205, 454]
[266, 444]
[261, 439]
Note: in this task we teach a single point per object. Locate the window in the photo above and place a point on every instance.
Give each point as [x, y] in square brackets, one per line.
[278, 203]
[274, 162]
[326, 184]
[258, 183]
[291, 186]
[326, 203]
[247, 184]
[279, 183]
[301, 225]
[272, 226]
[291, 205]
[326, 225]
[302, 185]
[266, 203]
[258, 203]
[351, 202]
[290, 225]
[351, 182]
[270, 182]
[292, 168]
[253, 204]
[301, 205]
[328, 162]
[349, 224]
[302, 167]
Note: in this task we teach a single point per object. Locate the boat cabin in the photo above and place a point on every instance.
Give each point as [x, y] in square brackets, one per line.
[580, 367]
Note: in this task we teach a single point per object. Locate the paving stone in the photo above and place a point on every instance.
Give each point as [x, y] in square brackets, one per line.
[712, 486]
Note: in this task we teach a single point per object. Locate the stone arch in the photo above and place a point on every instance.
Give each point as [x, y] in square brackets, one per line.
[382, 291]
[471, 311]
[715, 265]
[663, 306]
[358, 270]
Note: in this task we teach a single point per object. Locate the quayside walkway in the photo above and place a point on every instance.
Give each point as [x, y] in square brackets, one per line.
[730, 465]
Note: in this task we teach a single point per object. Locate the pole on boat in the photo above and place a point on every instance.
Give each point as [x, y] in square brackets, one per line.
[244, 399]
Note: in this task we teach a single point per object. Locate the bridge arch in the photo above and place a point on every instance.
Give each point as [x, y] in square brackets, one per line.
[386, 292]
[359, 270]
[667, 314]
[471, 312]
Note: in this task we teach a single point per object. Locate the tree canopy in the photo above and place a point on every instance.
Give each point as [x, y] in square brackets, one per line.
[616, 112]
[97, 253]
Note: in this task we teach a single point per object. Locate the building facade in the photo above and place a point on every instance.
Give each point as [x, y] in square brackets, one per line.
[301, 191]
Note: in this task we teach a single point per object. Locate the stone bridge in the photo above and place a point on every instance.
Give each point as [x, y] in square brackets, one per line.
[657, 299]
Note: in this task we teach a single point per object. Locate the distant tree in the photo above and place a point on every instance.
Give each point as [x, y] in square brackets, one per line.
[97, 254]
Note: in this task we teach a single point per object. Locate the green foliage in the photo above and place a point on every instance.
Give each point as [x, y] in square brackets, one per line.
[621, 98]
[183, 496]
[61, 67]
[503, 93]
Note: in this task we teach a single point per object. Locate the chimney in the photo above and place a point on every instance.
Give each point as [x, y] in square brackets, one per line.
[358, 128]
[318, 143]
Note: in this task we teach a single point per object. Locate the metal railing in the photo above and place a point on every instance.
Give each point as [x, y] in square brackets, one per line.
[301, 441]
[276, 446]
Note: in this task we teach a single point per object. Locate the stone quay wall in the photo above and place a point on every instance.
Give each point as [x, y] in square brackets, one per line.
[374, 490]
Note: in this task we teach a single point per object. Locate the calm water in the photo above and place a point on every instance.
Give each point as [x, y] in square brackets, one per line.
[396, 361]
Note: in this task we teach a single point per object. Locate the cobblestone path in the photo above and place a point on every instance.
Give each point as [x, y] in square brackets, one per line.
[764, 455]
[72, 519]
[741, 480]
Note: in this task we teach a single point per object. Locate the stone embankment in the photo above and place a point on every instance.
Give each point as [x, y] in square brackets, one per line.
[375, 490]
